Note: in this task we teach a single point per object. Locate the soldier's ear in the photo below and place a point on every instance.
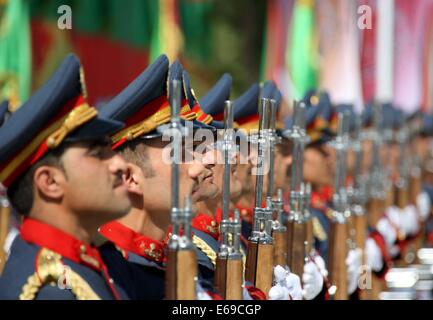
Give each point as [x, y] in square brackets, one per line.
[48, 182]
[134, 179]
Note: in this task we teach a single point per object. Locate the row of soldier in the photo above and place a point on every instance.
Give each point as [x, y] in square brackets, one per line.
[318, 205]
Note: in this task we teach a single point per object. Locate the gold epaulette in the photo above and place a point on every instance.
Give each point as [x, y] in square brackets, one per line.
[318, 230]
[50, 271]
[210, 253]
[329, 213]
[205, 248]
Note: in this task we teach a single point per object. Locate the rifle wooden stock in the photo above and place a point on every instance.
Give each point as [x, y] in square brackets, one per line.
[298, 253]
[180, 275]
[229, 278]
[280, 247]
[310, 235]
[289, 226]
[260, 264]
[401, 197]
[375, 209]
[360, 225]
[4, 230]
[234, 279]
[221, 276]
[415, 187]
[337, 259]
[389, 197]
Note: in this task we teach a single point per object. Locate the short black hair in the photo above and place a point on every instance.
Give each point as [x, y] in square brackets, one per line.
[136, 152]
[20, 192]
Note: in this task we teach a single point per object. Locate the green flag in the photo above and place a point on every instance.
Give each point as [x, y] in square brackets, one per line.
[301, 55]
[15, 51]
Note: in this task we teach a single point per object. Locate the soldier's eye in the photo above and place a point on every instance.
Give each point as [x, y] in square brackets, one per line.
[100, 152]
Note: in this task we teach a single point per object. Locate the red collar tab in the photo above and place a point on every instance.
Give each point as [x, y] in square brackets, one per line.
[66, 245]
[326, 193]
[206, 224]
[246, 213]
[317, 200]
[129, 240]
[219, 215]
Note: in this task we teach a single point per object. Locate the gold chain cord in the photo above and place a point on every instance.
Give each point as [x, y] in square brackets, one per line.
[50, 270]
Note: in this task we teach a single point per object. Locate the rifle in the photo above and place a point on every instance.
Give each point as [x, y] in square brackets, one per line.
[338, 231]
[359, 196]
[260, 254]
[296, 224]
[402, 184]
[279, 231]
[376, 196]
[415, 178]
[181, 272]
[229, 264]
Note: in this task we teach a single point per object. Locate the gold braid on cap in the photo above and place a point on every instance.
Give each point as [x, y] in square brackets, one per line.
[50, 270]
[78, 116]
[161, 117]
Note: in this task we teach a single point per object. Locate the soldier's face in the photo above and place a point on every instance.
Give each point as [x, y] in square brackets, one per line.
[207, 187]
[283, 161]
[94, 186]
[317, 169]
[244, 170]
[195, 179]
[235, 184]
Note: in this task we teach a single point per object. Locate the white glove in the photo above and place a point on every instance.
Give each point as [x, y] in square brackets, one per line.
[321, 264]
[387, 230]
[409, 220]
[373, 255]
[424, 205]
[353, 263]
[287, 285]
[293, 284]
[279, 291]
[394, 215]
[313, 281]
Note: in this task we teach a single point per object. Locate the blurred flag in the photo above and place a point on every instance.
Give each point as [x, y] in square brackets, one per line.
[301, 53]
[368, 60]
[273, 66]
[167, 36]
[15, 52]
[340, 72]
[427, 65]
[196, 27]
[411, 21]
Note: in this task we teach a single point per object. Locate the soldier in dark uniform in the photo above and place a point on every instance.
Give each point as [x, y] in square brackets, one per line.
[63, 177]
[135, 252]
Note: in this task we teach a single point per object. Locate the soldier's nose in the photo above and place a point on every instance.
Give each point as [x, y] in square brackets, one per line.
[195, 170]
[118, 165]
